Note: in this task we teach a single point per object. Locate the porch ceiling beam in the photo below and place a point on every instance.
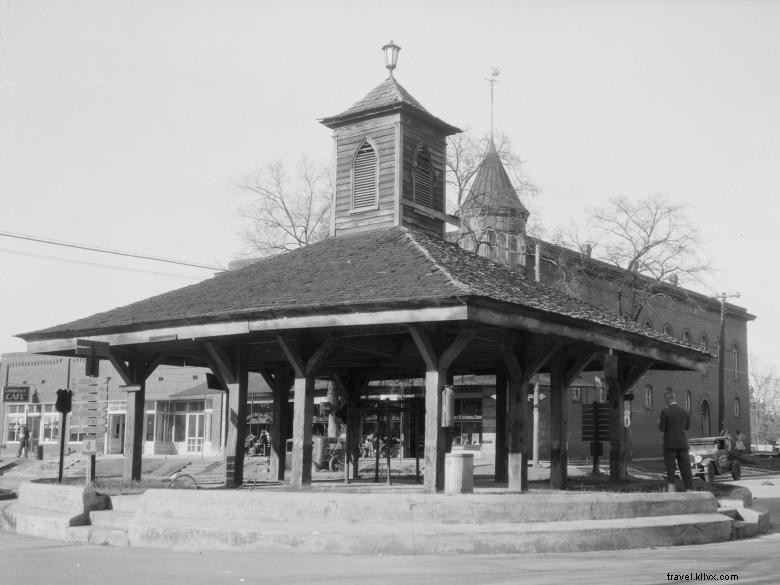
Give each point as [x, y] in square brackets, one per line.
[580, 362]
[121, 368]
[180, 333]
[221, 364]
[305, 368]
[455, 348]
[611, 340]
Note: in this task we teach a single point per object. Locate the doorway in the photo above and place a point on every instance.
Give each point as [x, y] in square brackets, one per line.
[706, 424]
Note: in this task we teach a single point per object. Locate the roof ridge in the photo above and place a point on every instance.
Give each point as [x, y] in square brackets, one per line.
[448, 275]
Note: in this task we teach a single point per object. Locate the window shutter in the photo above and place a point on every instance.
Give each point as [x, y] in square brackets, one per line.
[364, 178]
[422, 178]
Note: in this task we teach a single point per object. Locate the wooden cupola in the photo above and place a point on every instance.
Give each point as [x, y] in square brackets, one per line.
[389, 165]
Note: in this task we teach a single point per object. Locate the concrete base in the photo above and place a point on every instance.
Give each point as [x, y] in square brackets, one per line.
[375, 521]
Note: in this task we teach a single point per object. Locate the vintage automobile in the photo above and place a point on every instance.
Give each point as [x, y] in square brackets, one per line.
[710, 458]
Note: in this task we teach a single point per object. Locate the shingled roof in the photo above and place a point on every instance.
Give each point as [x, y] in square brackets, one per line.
[387, 96]
[492, 187]
[383, 268]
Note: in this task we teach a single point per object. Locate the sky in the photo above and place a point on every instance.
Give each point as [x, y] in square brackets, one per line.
[129, 125]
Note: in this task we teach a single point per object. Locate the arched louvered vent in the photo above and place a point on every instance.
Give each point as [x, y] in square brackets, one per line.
[364, 171]
[422, 177]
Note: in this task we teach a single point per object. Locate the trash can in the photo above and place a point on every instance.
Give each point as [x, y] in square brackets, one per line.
[40, 451]
[459, 472]
[319, 451]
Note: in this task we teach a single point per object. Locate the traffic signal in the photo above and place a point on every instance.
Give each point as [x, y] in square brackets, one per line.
[64, 399]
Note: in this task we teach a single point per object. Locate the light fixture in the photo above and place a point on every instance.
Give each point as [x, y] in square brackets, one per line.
[391, 56]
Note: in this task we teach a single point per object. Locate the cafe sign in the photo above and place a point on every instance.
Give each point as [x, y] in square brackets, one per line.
[16, 394]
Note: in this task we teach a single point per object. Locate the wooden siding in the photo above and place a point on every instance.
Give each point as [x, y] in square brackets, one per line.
[417, 132]
[381, 134]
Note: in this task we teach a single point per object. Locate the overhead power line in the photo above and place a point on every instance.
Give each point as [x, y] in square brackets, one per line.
[95, 264]
[107, 251]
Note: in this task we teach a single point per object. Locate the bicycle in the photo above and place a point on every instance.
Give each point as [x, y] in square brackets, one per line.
[183, 481]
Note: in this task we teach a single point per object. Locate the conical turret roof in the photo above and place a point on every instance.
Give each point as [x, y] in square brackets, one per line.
[492, 188]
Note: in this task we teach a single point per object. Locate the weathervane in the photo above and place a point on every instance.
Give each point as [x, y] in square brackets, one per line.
[492, 80]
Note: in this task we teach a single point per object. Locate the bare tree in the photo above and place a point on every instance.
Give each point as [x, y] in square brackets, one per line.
[650, 241]
[764, 401]
[286, 211]
[465, 153]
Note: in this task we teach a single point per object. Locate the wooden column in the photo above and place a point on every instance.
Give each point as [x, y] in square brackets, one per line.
[236, 435]
[134, 431]
[303, 410]
[233, 374]
[516, 415]
[502, 453]
[627, 376]
[433, 475]
[437, 365]
[303, 405]
[517, 406]
[558, 424]
[135, 378]
[280, 384]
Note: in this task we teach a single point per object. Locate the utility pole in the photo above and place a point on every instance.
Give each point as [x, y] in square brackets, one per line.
[722, 361]
[105, 438]
[537, 278]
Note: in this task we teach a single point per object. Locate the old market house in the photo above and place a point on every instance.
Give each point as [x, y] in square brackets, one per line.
[386, 297]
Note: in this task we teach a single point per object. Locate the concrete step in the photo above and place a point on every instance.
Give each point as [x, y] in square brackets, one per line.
[32, 521]
[110, 519]
[430, 538]
[108, 536]
[269, 505]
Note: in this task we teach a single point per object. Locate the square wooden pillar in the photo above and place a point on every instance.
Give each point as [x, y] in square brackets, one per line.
[517, 413]
[502, 453]
[433, 476]
[617, 432]
[236, 423]
[303, 410]
[559, 447]
[280, 429]
[134, 431]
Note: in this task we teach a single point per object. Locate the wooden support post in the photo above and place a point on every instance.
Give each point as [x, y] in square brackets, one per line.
[236, 435]
[134, 417]
[517, 406]
[303, 405]
[303, 410]
[558, 424]
[280, 384]
[617, 446]
[502, 452]
[433, 475]
[516, 414]
[134, 424]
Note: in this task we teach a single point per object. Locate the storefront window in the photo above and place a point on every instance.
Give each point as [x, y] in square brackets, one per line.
[50, 432]
[14, 421]
[468, 421]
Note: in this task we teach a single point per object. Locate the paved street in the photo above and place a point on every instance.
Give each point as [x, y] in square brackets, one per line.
[26, 560]
[29, 560]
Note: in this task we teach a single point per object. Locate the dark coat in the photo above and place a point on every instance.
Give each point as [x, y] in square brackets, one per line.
[675, 422]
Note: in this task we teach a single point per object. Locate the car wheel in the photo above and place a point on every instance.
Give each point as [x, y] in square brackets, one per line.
[711, 473]
[736, 470]
[336, 464]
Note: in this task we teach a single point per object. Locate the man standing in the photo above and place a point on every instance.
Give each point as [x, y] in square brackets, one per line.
[674, 424]
[24, 442]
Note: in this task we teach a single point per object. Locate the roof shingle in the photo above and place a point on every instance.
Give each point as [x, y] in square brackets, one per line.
[384, 267]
